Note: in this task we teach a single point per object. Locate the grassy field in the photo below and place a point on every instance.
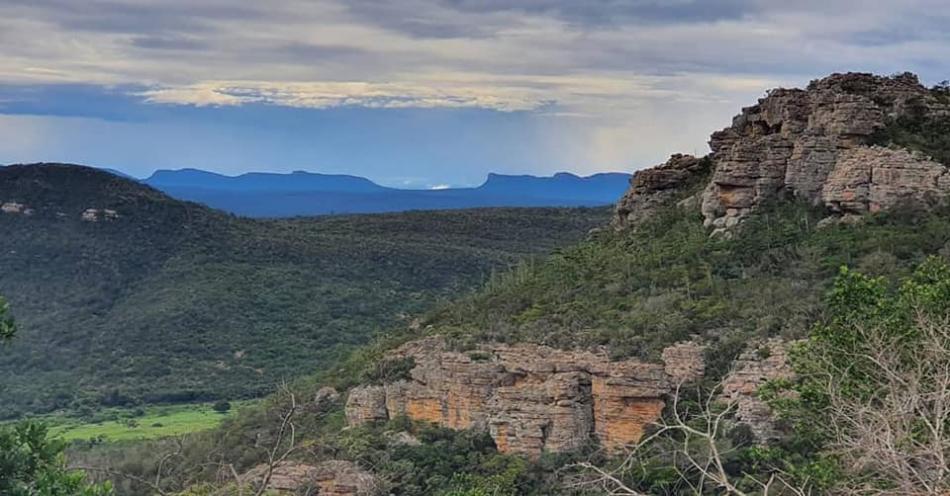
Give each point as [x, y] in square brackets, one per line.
[137, 424]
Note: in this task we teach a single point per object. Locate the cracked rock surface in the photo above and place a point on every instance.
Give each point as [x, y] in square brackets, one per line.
[530, 398]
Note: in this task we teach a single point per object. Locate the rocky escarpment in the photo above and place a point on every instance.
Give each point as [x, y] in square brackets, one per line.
[530, 398]
[814, 144]
[654, 188]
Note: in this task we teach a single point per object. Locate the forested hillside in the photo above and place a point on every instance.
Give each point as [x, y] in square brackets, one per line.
[124, 295]
[761, 321]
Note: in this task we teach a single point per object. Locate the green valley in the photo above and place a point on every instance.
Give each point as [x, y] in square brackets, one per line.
[169, 302]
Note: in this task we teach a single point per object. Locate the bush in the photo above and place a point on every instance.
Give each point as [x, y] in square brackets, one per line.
[221, 407]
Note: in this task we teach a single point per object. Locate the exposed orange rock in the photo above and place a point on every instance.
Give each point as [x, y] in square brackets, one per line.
[531, 399]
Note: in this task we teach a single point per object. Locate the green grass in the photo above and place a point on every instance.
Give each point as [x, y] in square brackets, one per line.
[134, 425]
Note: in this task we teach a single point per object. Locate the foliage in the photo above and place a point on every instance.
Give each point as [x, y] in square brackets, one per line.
[443, 462]
[221, 406]
[173, 302]
[33, 465]
[385, 371]
[874, 383]
[637, 292]
[920, 130]
[7, 327]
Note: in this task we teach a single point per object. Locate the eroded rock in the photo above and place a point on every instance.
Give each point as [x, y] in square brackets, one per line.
[651, 189]
[813, 144]
[530, 398]
[760, 363]
[807, 143]
[871, 179]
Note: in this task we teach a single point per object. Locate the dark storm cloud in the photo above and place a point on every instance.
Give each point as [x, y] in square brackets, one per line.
[122, 17]
[168, 43]
[606, 12]
[454, 18]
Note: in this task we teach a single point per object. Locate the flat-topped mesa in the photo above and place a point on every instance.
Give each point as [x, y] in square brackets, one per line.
[531, 399]
[814, 144]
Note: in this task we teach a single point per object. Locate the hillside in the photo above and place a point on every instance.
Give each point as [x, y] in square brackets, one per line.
[715, 268]
[304, 193]
[126, 295]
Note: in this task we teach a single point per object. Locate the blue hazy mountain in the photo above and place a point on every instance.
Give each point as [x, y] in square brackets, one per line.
[304, 193]
[563, 185]
[261, 181]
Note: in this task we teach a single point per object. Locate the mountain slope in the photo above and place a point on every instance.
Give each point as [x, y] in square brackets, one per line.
[125, 295]
[671, 271]
[302, 193]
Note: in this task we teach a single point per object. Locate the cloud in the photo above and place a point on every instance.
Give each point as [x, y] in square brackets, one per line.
[611, 83]
[338, 94]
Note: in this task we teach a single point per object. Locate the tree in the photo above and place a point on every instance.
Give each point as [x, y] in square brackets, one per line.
[874, 383]
[870, 406]
[7, 326]
[221, 406]
[33, 465]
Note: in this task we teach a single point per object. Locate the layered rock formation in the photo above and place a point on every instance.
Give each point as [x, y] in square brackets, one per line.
[530, 398]
[653, 188]
[813, 144]
[759, 364]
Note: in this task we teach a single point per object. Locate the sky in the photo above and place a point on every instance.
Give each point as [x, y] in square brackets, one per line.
[420, 93]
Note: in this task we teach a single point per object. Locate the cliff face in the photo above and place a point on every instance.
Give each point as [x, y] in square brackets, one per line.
[653, 188]
[814, 144]
[530, 398]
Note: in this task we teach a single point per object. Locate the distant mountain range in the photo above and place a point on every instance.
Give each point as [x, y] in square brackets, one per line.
[300, 193]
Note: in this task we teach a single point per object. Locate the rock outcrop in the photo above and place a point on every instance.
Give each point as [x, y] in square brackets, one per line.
[651, 189]
[95, 215]
[530, 398]
[814, 144]
[766, 361]
[15, 208]
[331, 478]
[869, 179]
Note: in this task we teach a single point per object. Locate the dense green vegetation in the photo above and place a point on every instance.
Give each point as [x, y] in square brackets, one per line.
[920, 130]
[33, 465]
[174, 302]
[7, 330]
[633, 291]
[637, 292]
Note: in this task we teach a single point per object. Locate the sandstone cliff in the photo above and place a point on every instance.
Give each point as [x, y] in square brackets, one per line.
[531, 398]
[814, 144]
